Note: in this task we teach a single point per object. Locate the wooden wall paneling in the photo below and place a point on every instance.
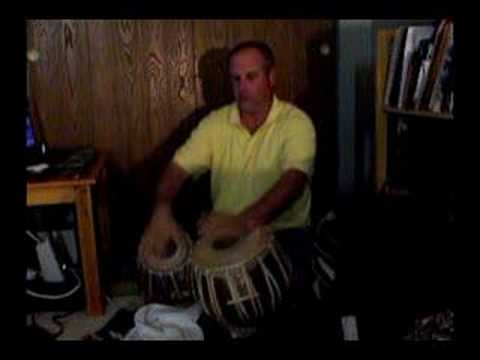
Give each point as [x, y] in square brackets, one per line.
[110, 91]
[78, 83]
[44, 87]
[38, 39]
[56, 86]
[169, 100]
[280, 36]
[156, 81]
[303, 30]
[211, 46]
[121, 125]
[65, 94]
[247, 29]
[134, 42]
[107, 126]
[178, 42]
[128, 86]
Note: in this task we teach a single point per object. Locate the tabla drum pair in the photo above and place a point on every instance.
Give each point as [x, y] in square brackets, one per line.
[237, 280]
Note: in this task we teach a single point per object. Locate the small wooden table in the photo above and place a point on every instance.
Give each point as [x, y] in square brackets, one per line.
[79, 189]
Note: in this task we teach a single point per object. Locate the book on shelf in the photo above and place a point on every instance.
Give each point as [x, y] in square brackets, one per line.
[420, 71]
[425, 54]
[440, 44]
[442, 89]
[416, 36]
[416, 73]
[392, 87]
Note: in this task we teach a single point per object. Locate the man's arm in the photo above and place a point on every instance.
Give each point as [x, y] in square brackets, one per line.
[162, 228]
[287, 189]
[170, 184]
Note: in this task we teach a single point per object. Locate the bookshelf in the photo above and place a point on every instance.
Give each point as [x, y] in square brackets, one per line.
[418, 114]
[389, 119]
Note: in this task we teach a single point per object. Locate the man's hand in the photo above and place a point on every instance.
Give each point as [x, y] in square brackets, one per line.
[217, 222]
[154, 243]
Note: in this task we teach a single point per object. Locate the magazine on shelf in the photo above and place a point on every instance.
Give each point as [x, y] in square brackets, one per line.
[415, 36]
[439, 44]
[393, 76]
[442, 90]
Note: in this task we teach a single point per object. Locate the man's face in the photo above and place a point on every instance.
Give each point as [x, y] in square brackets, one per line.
[252, 83]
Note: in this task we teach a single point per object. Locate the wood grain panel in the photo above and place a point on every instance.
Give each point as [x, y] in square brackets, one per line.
[169, 101]
[211, 44]
[155, 75]
[245, 30]
[180, 68]
[40, 39]
[63, 69]
[127, 86]
[107, 127]
[77, 81]
[280, 37]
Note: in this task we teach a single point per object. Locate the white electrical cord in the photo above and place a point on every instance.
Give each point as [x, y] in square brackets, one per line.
[35, 238]
[59, 296]
[46, 296]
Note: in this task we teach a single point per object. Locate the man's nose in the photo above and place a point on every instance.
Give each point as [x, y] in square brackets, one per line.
[242, 85]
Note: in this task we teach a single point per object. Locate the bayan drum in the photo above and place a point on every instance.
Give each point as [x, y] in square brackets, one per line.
[240, 280]
[170, 282]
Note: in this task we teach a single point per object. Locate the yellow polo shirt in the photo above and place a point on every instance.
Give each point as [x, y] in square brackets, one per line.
[244, 166]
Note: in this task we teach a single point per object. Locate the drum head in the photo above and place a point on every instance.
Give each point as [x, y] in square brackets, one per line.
[222, 249]
[175, 256]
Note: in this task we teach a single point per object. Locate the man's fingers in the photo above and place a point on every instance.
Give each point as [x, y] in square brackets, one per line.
[153, 246]
[142, 253]
[203, 224]
[207, 227]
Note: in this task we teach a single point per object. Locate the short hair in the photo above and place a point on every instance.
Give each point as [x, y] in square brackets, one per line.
[262, 47]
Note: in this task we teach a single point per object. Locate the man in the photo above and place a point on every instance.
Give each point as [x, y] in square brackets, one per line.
[260, 151]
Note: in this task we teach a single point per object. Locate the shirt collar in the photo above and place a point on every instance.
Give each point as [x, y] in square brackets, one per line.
[272, 114]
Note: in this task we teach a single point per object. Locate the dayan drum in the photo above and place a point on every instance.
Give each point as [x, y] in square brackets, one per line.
[239, 281]
[171, 280]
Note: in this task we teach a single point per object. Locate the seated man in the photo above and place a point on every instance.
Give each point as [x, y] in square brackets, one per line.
[260, 151]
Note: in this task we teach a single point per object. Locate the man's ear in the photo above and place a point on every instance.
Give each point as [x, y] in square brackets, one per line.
[272, 77]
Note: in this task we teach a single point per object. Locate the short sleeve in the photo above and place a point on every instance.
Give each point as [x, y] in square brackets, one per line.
[300, 144]
[195, 155]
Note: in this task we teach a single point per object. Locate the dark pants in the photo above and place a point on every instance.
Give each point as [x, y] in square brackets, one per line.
[297, 243]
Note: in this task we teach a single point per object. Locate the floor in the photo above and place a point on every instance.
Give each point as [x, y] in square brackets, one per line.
[77, 325]
[314, 321]
[289, 324]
